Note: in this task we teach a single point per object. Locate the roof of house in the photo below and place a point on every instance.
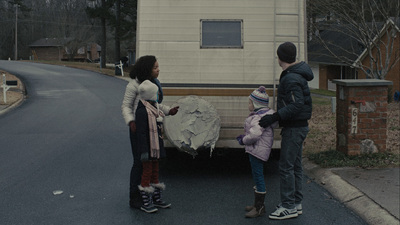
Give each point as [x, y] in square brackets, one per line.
[55, 42]
[338, 39]
[98, 47]
[339, 43]
[390, 23]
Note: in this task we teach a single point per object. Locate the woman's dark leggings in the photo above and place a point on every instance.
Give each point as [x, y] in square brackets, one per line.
[137, 168]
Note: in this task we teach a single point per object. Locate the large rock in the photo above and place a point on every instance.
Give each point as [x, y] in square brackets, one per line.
[196, 125]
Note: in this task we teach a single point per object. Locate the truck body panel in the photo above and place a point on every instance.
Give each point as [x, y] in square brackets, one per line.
[176, 32]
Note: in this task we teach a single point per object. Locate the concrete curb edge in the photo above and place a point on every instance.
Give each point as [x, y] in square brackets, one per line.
[349, 195]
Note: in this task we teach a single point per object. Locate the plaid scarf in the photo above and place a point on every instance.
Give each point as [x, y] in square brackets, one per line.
[153, 113]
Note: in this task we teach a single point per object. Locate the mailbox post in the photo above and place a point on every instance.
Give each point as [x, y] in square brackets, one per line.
[7, 84]
[361, 115]
[119, 68]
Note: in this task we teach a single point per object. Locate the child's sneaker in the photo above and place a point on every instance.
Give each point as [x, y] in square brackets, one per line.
[283, 213]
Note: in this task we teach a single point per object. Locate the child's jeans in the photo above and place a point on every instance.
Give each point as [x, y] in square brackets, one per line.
[257, 170]
[150, 173]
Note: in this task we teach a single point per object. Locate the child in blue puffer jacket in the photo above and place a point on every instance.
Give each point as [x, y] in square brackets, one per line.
[258, 143]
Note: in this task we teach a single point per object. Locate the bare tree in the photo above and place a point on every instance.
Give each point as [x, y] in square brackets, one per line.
[372, 25]
[71, 25]
[117, 30]
[123, 23]
[101, 10]
[6, 34]
[11, 40]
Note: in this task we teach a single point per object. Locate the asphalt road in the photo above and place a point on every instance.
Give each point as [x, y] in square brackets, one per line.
[69, 136]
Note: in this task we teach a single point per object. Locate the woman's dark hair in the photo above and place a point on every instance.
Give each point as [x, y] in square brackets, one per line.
[142, 68]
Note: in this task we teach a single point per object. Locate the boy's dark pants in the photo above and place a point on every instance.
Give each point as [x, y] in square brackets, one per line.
[290, 165]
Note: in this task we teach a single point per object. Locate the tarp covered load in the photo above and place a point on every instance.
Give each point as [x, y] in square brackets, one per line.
[196, 125]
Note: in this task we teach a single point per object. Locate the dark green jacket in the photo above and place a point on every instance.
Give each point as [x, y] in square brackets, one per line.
[294, 102]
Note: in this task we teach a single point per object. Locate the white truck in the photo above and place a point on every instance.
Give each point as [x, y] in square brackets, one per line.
[220, 50]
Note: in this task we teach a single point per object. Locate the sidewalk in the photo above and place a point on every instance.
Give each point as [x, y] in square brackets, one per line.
[371, 193]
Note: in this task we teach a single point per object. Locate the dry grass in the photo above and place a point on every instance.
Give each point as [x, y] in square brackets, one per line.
[322, 136]
[393, 121]
[109, 70]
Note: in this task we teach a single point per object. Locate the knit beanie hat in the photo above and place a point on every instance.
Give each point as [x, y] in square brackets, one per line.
[148, 90]
[287, 52]
[260, 98]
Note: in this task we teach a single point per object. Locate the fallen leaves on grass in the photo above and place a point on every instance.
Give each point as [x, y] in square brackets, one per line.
[322, 135]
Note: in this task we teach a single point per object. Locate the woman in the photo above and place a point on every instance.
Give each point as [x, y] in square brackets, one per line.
[145, 68]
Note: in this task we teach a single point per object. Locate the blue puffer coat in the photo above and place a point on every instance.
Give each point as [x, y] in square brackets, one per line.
[294, 102]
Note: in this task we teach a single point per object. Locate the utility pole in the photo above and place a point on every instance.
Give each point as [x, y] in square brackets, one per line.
[16, 31]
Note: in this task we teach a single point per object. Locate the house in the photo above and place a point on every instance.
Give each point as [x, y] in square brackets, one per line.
[332, 64]
[219, 50]
[93, 51]
[47, 49]
[345, 52]
[57, 49]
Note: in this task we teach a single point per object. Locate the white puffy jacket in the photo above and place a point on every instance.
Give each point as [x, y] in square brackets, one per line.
[131, 100]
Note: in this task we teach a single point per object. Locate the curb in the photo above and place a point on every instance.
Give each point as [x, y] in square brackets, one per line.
[349, 195]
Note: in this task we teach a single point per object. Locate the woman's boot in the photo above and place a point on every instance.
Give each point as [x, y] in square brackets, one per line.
[259, 207]
[157, 196]
[146, 193]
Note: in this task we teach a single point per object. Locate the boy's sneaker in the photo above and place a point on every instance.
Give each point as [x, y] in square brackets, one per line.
[299, 208]
[283, 213]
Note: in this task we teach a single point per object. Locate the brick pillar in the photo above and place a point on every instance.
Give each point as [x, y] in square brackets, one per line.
[361, 115]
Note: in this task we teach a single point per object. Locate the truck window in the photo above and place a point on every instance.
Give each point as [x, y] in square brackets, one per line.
[221, 34]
